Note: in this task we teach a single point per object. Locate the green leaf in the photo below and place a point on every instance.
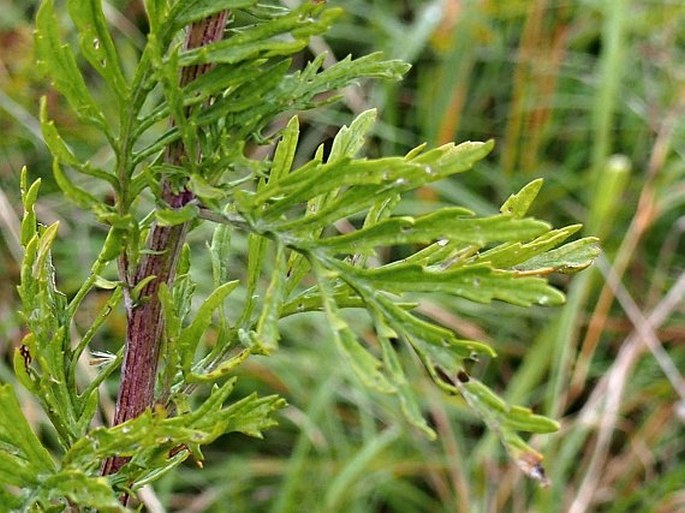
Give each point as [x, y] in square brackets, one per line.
[152, 438]
[222, 370]
[220, 250]
[29, 197]
[310, 300]
[349, 141]
[285, 151]
[382, 210]
[221, 81]
[188, 11]
[9, 500]
[167, 73]
[97, 45]
[172, 319]
[569, 258]
[506, 420]
[157, 11]
[15, 430]
[509, 255]
[45, 242]
[52, 138]
[124, 222]
[97, 323]
[256, 251]
[84, 490]
[481, 398]
[523, 419]
[368, 181]
[176, 304]
[302, 90]
[435, 345]
[57, 61]
[250, 415]
[14, 471]
[137, 291]
[260, 40]
[518, 204]
[203, 189]
[429, 337]
[176, 216]
[449, 159]
[246, 98]
[334, 77]
[314, 179]
[114, 244]
[448, 225]
[88, 408]
[270, 92]
[363, 363]
[217, 117]
[105, 284]
[77, 194]
[366, 366]
[478, 283]
[408, 401]
[63, 153]
[217, 397]
[190, 336]
[267, 327]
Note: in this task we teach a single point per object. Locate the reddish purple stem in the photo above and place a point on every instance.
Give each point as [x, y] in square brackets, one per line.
[145, 323]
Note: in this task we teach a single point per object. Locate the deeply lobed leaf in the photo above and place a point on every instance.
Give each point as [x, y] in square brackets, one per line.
[57, 61]
[215, 117]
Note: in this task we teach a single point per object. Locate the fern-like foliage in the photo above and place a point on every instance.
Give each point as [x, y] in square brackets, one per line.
[288, 214]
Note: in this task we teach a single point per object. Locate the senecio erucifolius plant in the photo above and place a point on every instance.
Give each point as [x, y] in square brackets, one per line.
[213, 77]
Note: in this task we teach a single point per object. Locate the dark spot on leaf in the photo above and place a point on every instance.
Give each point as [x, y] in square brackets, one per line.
[175, 450]
[443, 376]
[463, 377]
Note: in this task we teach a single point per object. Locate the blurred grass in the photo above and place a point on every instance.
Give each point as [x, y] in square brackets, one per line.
[562, 87]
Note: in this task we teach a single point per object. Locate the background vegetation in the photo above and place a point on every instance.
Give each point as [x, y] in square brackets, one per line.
[563, 88]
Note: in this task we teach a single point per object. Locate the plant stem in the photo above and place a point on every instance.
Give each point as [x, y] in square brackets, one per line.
[145, 323]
